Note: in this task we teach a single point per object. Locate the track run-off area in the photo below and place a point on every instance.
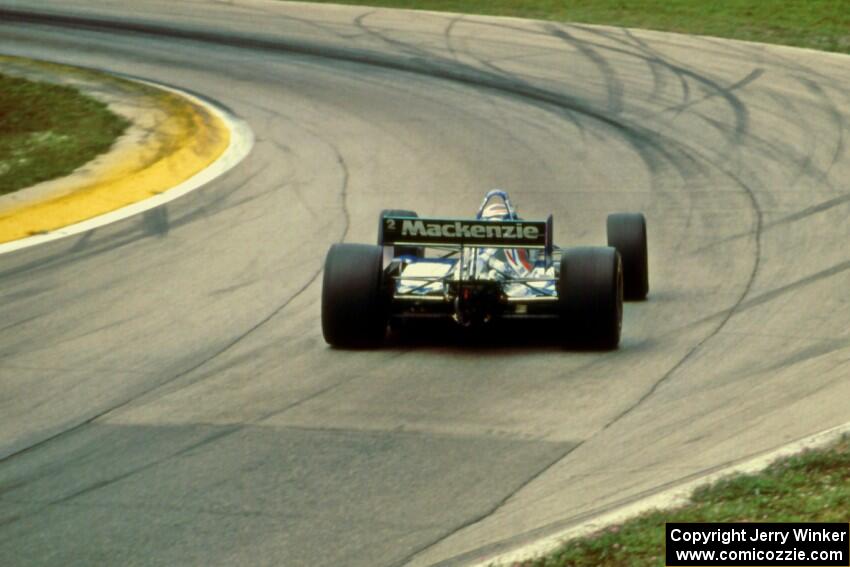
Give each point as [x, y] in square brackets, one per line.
[166, 397]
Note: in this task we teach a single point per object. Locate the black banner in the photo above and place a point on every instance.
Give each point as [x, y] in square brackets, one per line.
[511, 234]
[757, 544]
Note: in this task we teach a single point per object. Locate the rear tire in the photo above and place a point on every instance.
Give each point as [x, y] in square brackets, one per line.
[590, 295]
[355, 309]
[627, 233]
[416, 251]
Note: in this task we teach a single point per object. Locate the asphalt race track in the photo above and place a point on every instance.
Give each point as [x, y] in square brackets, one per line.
[166, 397]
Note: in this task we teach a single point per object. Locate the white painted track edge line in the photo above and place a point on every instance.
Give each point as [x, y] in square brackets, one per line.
[241, 143]
[664, 500]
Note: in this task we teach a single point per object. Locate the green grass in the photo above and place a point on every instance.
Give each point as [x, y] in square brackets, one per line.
[47, 131]
[817, 24]
[811, 487]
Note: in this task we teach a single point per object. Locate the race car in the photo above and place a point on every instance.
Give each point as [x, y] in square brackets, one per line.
[476, 272]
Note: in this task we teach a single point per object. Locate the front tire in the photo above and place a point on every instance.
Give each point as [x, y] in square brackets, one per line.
[355, 309]
[627, 233]
[590, 296]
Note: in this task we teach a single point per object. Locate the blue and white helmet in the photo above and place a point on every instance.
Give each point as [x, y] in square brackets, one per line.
[495, 207]
[497, 210]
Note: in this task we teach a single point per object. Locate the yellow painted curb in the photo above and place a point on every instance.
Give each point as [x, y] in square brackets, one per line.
[187, 140]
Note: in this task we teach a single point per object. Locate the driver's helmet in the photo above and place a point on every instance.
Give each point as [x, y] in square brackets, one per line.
[505, 260]
[495, 211]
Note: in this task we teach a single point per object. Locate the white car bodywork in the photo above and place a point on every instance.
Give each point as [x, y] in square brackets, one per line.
[496, 264]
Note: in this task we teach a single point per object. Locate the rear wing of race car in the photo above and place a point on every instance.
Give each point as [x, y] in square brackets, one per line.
[413, 231]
